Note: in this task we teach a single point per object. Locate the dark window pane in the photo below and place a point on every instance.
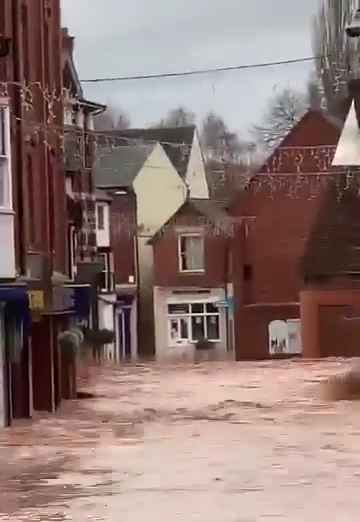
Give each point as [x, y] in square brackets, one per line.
[174, 330]
[248, 272]
[102, 262]
[184, 328]
[179, 309]
[213, 330]
[198, 328]
[197, 308]
[211, 308]
[101, 217]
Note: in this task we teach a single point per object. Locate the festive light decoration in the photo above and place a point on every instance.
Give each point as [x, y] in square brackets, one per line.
[289, 170]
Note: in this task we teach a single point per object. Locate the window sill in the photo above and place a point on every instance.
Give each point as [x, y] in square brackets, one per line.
[191, 343]
[7, 211]
[190, 272]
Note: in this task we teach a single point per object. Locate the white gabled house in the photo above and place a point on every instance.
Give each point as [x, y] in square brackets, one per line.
[163, 167]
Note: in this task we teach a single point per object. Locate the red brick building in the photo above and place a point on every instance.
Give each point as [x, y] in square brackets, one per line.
[192, 295]
[32, 76]
[31, 72]
[279, 208]
[330, 299]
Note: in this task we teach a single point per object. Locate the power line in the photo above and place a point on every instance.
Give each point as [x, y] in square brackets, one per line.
[204, 71]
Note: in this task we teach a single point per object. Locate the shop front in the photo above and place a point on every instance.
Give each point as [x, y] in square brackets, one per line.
[15, 360]
[68, 307]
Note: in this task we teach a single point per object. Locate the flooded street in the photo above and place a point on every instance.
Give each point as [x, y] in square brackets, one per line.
[218, 442]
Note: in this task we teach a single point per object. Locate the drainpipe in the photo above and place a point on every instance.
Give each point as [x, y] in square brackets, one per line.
[19, 159]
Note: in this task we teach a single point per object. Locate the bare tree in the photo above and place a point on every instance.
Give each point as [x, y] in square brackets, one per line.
[315, 93]
[179, 117]
[331, 43]
[220, 144]
[285, 109]
[112, 119]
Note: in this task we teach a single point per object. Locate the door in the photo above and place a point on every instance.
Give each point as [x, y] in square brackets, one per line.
[124, 334]
[120, 335]
[294, 332]
[127, 333]
[3, 374]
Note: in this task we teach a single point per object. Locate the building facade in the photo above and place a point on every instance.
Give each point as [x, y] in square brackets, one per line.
[191, 300]
[279, 209]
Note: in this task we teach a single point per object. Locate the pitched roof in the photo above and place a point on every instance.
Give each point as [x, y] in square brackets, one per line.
[68, 61]
[226, 180]
[213, 211]
[348, 149]
[102, 195]
[168, 137]
[334, 245]
[315, 129]
[119, 167]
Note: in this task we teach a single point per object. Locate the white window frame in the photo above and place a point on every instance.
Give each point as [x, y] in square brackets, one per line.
[73, 251]
[5, 155]
[193, 235]
[109, 270]
[103, 207]
[171, 317]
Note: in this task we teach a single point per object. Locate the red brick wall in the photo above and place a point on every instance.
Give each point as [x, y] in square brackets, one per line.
[252, 329]
[123, 236]
[36, 57]
[166, 258]
[280, 212]
[329, 320]
[273, 245]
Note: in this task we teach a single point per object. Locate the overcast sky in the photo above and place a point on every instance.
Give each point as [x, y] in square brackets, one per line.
[120, 38]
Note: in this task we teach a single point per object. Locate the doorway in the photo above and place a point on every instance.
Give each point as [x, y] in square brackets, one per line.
[4, 397]
[123, 326]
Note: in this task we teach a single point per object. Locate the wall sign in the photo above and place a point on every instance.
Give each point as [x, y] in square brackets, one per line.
[36, 300]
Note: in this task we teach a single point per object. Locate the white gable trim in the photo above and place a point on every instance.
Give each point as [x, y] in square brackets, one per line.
[348, 149]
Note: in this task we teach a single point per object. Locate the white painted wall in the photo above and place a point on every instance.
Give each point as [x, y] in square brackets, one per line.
[103, 236]
[348, 149]
[196, 174]
[7, 245]
[160, 191]
[106, 321]
[186, 352]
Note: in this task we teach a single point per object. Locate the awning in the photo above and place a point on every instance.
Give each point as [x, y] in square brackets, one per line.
[71, 299]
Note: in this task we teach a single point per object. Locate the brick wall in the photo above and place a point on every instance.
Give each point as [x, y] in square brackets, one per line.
[123, 236]
[39, 186]
[280, 209]
[166, 256]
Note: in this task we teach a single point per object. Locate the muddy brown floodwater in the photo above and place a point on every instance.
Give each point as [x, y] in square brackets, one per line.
[210, 443]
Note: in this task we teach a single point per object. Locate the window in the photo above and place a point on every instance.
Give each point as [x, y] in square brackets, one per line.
[5, 170]
[248, 272]
[191, 322]
[101, 217]
[191, 253]
[73, 251]
[107, 272]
